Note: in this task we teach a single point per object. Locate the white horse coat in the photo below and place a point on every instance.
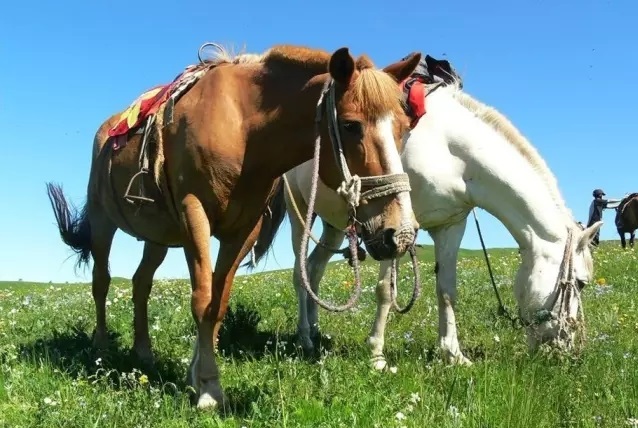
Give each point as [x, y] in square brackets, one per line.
[462, 154]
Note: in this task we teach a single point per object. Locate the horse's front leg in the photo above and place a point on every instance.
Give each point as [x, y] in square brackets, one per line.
[331, 238]
[447, 242]
[203, 374]
[210, 295]
[308, 316]
[376, 340]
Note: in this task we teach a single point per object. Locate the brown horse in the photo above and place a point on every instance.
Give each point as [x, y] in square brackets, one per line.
[627, 219]
[217, 168]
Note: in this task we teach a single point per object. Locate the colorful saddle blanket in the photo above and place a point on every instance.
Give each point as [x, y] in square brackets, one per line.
[150, 101]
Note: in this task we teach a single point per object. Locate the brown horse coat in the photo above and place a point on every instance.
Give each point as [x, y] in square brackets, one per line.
[235, 132]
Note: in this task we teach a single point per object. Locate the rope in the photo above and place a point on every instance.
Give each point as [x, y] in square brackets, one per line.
[417, 284]
[502, 311]
[303, 223]
[304, 241]
[565, 284]
[351, 190]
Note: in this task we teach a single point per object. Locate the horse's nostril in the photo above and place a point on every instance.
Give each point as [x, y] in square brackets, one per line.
[388, 238]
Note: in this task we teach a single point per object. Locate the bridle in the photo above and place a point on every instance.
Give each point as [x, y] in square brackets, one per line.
[351, 190]
[566, 288]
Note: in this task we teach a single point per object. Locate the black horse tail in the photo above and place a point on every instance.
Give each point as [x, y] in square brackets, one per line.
[270, 226]
[74, 226]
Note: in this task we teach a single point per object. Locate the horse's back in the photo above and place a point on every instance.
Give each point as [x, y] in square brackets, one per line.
[101, 135]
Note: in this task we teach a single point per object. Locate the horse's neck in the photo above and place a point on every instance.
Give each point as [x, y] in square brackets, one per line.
[291, 94]
[502, 180]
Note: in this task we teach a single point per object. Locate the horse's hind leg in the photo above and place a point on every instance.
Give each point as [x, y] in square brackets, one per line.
[631, 239]
[142, 283]
[102, 232]
[623, 243]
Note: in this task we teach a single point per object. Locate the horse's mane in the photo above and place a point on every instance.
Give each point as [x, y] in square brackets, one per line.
[375, 91]
[502, 125]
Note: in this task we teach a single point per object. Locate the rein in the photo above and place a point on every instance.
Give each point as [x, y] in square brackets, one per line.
[565, 284]
[351, 190]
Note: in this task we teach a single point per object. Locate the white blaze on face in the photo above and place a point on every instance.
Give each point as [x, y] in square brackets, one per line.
[392, 157]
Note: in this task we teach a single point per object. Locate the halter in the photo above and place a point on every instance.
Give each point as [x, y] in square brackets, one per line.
[567, 288]
[350, 189]
[351, 185]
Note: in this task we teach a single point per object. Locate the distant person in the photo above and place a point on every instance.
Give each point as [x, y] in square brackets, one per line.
[596, 210]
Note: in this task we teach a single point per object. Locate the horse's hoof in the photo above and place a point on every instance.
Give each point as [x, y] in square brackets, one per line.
[100, 341]
[206, 401]
[211, 397]
[458, 360]
[379, 363]
[306, 344]
[454, 358]
[145, 357]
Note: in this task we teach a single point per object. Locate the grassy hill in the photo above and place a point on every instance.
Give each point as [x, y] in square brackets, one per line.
[50, 376]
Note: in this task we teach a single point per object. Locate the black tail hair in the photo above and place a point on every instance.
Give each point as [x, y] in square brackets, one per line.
[270, 225]
[74, 226]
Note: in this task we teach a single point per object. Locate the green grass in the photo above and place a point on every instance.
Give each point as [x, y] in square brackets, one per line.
[49, 376]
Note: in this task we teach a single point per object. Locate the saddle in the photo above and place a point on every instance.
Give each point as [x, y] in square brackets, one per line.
[140, 118]
[429, 74]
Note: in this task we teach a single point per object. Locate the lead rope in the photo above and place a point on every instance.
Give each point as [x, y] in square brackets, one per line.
[502, 310]
[352, 234]
[416, 291]
[350, 190]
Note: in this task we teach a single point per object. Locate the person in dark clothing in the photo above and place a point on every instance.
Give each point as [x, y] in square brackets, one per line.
[596, 210]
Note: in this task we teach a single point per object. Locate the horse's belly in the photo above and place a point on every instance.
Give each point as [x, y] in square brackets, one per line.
[146, 220]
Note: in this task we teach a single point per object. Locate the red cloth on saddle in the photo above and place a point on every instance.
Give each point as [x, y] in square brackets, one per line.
[415, 99]
[145, 105]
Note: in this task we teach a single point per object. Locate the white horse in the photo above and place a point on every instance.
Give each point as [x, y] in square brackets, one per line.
[463, 154]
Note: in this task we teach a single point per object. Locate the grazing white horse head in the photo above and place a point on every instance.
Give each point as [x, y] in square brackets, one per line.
[548, 290]
[555, 249]
[463, 154]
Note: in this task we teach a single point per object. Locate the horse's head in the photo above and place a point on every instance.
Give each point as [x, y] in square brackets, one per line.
[367, 132]
[551, 307]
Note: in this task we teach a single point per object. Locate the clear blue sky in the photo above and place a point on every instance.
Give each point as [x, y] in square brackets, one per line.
[563, 71]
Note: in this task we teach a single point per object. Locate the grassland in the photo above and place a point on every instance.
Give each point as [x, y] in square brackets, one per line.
[50, 376]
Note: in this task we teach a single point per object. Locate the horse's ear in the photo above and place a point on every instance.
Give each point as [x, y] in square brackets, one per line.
[341, 66]
[588, 235]
[402, 69]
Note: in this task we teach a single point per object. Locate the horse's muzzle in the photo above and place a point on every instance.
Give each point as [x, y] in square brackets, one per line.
[390, 243]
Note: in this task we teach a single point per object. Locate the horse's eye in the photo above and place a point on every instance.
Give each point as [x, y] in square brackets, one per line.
[353, 127]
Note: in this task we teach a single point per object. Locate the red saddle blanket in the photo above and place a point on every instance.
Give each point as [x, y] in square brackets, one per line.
[414, 91]
[150, 101]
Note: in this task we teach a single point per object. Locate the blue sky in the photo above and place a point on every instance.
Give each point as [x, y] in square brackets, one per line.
[562, 71]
